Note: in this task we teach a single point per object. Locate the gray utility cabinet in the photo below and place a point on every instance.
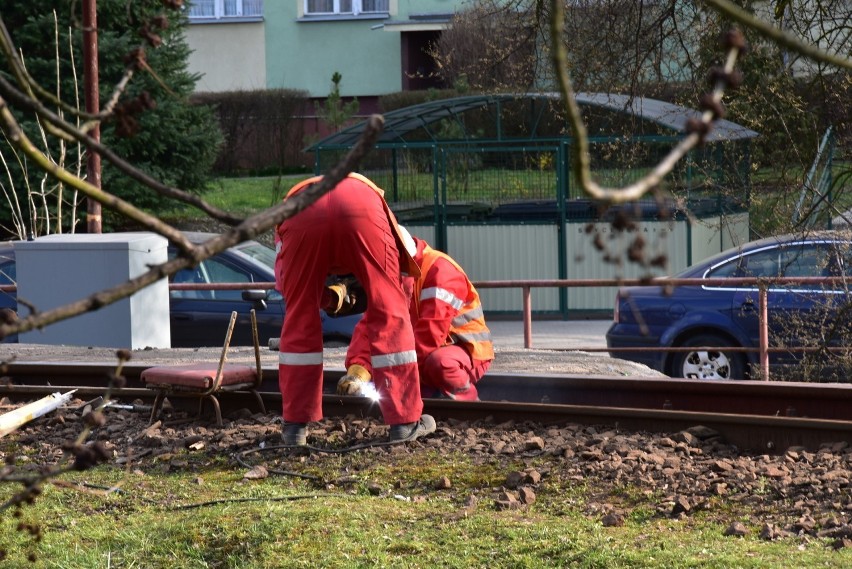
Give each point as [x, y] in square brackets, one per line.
[55, 270]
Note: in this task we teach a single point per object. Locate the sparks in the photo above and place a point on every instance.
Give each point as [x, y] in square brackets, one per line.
[368, 390]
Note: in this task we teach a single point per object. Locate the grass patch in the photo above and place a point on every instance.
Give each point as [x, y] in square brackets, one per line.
[242, 196]
[214, 518]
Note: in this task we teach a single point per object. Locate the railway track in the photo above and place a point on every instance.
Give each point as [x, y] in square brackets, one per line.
[765, 416]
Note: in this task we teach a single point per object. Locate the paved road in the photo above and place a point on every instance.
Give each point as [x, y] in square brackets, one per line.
[551, 334]
[547, 335]
[507, 334]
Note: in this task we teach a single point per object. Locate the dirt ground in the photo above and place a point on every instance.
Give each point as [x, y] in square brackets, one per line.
[797, 495]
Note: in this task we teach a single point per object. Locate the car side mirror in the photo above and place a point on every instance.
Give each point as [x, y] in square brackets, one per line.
[256, 297]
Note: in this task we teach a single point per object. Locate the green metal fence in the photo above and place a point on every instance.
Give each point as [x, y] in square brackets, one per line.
[450, 182]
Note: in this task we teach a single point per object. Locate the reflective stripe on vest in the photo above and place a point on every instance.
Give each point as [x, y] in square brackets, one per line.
[468, 327]
[297, 359]
[468, 338]
[465, 317]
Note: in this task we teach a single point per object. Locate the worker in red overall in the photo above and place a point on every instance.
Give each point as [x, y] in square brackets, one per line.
[454, 348]
[349, 230]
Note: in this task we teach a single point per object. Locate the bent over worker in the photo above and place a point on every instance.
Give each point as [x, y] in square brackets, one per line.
[454, 348]
[348, 230]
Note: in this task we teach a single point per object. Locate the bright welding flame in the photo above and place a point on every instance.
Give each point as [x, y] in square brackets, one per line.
[368, 390]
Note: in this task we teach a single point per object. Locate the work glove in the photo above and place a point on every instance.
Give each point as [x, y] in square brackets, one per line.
[355, 378]
[335, 298]
[344, 297]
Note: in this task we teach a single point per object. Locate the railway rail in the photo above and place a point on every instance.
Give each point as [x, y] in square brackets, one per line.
[769, 417]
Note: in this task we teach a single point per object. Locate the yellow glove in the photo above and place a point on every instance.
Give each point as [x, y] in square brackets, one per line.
[343, 297]
[335, 297]
[351, 383]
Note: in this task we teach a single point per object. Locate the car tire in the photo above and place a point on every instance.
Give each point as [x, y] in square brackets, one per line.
[718, 363]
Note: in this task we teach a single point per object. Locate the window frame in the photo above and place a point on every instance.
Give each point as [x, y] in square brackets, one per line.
[245, 10]
[355, 9]
[830, 250]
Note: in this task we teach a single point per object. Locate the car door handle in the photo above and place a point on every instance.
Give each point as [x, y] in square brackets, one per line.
[748, 306]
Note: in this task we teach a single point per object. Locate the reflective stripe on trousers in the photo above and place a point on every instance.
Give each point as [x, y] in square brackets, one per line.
[345, 231]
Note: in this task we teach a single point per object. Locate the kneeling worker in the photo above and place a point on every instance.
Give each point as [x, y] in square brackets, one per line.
[453, 344]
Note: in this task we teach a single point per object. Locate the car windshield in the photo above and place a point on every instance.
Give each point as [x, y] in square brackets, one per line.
[258, 252]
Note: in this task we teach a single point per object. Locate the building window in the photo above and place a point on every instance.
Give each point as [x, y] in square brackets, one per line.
[225, 8]
[345, 7]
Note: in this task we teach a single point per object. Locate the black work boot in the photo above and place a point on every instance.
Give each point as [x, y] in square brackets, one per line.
[294, 434]
[410, 431]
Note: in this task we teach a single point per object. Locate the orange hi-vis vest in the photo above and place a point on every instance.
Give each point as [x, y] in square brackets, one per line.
[406, 262]
[468, 327]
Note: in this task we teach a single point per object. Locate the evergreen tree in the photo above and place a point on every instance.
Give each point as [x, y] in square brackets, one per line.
[171, 140]
[335, 112]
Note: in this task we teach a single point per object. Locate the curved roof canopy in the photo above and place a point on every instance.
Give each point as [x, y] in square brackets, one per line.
[401, 124]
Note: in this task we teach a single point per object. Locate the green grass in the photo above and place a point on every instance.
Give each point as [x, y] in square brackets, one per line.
[243, 196]
[207, 516]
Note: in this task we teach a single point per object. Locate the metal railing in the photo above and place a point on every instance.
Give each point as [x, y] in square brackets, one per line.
[526, 286]
[762, 284]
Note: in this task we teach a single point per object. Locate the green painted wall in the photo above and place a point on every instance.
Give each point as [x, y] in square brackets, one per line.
[304, 55]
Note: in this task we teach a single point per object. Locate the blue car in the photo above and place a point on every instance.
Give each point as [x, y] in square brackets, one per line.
[199, 318]
[726, 317]
[8, 276]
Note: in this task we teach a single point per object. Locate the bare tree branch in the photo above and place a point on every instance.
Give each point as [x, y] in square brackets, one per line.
[19, 139]
[24, 79]
[581, 143]
[778, 35]
[248, 229]
[20, 100]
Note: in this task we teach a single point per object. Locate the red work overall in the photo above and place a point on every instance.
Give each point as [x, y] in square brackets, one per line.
[348, 230]
[453, 343]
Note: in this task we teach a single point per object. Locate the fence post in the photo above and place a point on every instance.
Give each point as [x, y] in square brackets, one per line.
[527, 317]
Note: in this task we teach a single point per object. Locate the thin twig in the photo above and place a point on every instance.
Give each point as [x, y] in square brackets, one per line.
[582, 163]
[245, 500]
[21, 101]
[248, 229]
[778, 35]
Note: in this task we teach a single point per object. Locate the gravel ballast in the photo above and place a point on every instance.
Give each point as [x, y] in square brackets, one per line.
[797, 492]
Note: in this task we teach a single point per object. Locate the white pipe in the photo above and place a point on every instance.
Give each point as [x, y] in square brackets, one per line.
[10, 421]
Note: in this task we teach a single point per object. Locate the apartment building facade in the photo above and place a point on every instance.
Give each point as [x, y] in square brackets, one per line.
[378, 46]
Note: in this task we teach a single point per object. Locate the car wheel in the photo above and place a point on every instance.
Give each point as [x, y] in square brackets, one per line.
[709, 364]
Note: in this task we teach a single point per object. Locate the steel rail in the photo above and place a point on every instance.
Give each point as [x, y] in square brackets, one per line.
[760, 433]
[766, 417]
[821, 400]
